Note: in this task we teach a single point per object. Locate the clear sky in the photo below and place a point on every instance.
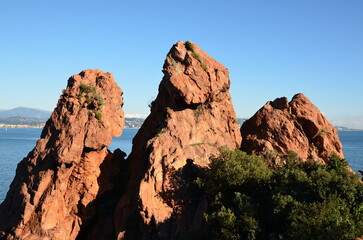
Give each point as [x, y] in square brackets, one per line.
[272, 49]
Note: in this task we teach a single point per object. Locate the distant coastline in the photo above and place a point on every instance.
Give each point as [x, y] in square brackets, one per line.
[22, 117]
[5, 126]
[21, 122]
[20, 126]
[135, 123]
[340, 128]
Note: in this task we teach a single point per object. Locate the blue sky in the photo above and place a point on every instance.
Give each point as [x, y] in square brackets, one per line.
[272, 49]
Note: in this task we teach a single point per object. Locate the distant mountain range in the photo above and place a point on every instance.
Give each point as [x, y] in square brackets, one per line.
[25, 113]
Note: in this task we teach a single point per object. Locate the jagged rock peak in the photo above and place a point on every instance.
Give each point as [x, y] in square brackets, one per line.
[55, 184]
[297, 126]
[191, 117]
[192, 76]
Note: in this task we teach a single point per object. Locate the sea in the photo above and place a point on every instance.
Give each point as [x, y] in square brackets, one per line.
[16, 143]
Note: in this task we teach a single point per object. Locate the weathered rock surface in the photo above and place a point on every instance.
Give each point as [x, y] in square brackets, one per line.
[58, 181]
[191, 117]
[297, 126]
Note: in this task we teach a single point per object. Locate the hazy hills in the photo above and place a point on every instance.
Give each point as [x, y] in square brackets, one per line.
[25, 113]
[23, 117]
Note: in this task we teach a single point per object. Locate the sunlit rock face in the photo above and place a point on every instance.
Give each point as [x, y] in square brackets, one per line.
[281, 126]
[52, 193]
[191, 117]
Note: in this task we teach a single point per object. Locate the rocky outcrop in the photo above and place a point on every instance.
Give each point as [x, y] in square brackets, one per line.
[57, 183]
[190, 118]
[296, 126]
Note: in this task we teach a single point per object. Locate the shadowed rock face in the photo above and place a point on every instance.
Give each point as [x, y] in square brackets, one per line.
[190, 118]
[296, 126]
[56, 183]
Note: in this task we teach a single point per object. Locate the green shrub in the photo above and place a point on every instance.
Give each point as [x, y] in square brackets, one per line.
[322, 132]
[161, 132]
[98, 115]
[203, 66]
[84, 88]
[202, 143]
[299, 200]
[233, 170]
[329, 219]
[196, 56]
[92, 99]
[88, 100]
[99, 99]
[189, 46]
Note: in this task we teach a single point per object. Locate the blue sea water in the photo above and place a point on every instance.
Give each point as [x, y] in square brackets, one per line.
[353, 148]
[16, 143]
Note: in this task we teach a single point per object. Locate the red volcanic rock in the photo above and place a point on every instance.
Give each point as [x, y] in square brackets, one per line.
[296, 126]
[191, 117]
[56, 183]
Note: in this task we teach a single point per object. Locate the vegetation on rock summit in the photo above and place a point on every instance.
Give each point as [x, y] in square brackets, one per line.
[93, 100]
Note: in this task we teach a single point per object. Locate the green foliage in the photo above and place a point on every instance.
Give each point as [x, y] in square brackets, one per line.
[80, 96]
[322, 132]
[238, 223]
[196, 144]
[84, 88]
[234, 170]
[161, 132]
[202, 143]
[88, 100]
[299, 200]
[329, 219]
[232, 212]
[99, 99]
[92, 99]
[203, 66]
[98, 115]
[222, 221]
[189, 46]
[290, 157]
[196, 56]
[272, 158]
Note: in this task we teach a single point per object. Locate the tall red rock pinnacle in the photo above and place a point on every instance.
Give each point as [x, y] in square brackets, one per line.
[56, 182]
[191, 117]
[297, 126]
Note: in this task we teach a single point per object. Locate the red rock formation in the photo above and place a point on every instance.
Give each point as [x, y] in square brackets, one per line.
[297, 126]
[56, 183]
[190, 118]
